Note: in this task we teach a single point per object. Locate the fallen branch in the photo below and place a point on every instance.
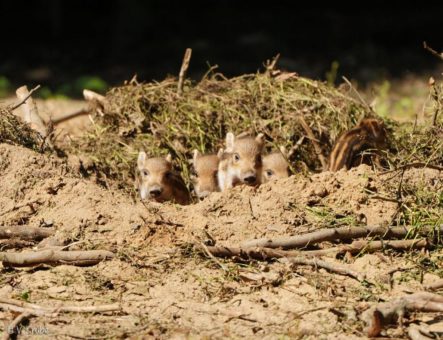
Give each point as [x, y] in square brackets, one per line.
[342, 234]
[70, 115]
[314, 141]
[34, 309]
[183, 70]
[435, 286]
[389, 312]
[11, 330]
[25, 233]
[293, 257]
[369, 246]
[12, 108]
[30, 111]
[54, 257]
[331, 267]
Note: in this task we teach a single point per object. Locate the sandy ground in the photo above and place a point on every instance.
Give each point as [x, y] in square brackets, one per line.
[167, 290]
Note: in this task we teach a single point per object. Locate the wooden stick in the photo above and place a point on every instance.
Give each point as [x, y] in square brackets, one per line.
[385, 313]
[54, 257]
[311, 136]
[25, 232]
[30, 111]
[369, 246]
[11, 330]
[183, 70]
[262, 254]
[92, 96]
[34, 309]
[332, 234]
[331, 267]
[69, 115]
[12, 108]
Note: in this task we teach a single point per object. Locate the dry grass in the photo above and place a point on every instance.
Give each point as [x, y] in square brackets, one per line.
[13, 131]
[154, 118]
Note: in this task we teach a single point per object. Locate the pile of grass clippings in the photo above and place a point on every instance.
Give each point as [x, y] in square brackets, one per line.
[14, 131]
[154, 118]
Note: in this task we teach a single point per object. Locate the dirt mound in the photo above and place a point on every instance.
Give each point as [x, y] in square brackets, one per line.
[167, 290]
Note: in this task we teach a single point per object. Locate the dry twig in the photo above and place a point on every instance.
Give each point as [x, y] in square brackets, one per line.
[369, 246]
[55, 257]
[34, 309]
[332, 234]
[269, 254]
[183, 70]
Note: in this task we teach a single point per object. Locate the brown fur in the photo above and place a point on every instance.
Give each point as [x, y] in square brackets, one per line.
[241, 163]
[369, 134]
[275, 166]
[159, 182]
[204, 176]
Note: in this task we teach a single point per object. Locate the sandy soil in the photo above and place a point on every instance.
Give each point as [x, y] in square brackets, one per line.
[167, 290]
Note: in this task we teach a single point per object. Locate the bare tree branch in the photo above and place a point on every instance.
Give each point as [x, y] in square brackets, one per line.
[54, 257]
[342, 234]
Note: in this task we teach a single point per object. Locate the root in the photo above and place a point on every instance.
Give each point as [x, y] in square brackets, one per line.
[33, 309]
[269, 254]
[332, 234]
[53, 257]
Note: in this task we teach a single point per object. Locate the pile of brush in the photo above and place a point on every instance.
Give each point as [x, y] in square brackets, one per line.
[159, 119]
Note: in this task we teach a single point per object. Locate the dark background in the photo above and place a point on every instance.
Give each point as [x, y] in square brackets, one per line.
[57, 41]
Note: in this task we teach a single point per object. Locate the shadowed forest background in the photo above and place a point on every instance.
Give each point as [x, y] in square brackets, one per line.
[62, 43]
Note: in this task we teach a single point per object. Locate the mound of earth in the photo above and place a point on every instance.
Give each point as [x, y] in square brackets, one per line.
[168, 290]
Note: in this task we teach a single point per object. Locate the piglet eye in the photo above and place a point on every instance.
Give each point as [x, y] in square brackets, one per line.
[236, 157]
[269, 173]
[145, 173]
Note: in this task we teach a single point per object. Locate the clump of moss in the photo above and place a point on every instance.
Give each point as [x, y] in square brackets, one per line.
[14, 131]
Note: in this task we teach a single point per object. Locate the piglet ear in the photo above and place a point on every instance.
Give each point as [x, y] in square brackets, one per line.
[230, 139]
[195, 155]
[169, 158]
[141, 160]
[283, 151]
[260, 139]
[220, 154]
